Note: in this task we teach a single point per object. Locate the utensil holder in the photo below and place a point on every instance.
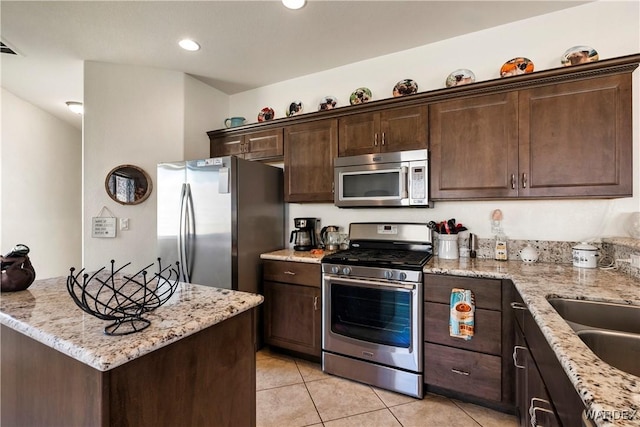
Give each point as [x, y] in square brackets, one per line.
[448, 246]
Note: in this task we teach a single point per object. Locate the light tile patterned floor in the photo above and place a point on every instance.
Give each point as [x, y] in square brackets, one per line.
[291, 392]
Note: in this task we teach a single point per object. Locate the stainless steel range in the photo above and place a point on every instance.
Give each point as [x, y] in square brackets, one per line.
[372, 306]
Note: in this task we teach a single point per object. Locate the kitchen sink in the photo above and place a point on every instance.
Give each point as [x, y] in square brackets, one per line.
[618, 349]
[582, 314]
[611, 331]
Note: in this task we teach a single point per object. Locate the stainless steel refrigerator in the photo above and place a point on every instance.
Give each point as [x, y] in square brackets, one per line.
[216, 216]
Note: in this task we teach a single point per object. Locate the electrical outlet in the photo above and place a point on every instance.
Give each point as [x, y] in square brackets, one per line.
[635, 260]
[124, 224]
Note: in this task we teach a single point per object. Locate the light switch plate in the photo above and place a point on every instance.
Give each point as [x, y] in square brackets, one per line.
[124, 224]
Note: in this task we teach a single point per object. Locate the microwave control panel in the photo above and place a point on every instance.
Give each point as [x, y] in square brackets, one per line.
[418, 189]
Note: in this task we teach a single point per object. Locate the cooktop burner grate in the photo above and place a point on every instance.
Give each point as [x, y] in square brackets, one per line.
[379, 258]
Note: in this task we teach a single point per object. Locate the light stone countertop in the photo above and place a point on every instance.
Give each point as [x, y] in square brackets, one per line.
[295, 256]
[601, 386]
[46, 313]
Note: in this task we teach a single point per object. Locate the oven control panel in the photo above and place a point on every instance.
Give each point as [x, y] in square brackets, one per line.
[362, 272]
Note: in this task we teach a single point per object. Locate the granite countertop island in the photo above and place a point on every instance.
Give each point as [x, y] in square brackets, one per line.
[193, 365]
[46, 313]
[601, 386]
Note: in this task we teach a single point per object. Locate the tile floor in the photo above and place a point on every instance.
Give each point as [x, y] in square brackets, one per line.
[292, 392]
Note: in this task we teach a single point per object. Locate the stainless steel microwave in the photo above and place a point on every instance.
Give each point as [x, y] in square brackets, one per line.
[383, 179]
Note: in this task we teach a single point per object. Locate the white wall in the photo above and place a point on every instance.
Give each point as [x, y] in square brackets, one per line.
[40, 176]
[612, 28]
[204, 109]
[137, 115]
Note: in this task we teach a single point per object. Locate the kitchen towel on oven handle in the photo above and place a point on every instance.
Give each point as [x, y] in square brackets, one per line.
[462, 313]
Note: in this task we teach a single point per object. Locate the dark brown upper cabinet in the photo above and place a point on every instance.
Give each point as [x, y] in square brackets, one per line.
[565, 140]
[396, 129]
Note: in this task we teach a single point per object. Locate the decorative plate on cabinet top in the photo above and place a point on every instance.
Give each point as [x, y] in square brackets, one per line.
[405, 87]
[295, 108]
[360, 96]
[266, 114]
[516, 66]
[460, 77]
[579, 55]
[328, 103]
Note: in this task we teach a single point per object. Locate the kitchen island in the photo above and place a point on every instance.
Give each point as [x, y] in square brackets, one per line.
[193, 366]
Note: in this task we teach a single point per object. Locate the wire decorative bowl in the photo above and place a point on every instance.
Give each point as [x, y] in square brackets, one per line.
[121, 298]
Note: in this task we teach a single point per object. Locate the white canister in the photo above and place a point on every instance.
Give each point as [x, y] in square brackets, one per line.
[448, 246]
[528, 254]
[585, 255]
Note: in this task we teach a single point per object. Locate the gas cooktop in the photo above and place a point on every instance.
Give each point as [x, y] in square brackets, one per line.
[384, 258]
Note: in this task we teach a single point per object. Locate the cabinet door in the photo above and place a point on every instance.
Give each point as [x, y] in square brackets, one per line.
[403, 129]
[474, 147]
[358, 134]
[520, 360]
[540, 411]
[264, 145]
[293, 317]
[309, 150]
[228, 145]
[468, 372]
[575, 139]
[488, 332]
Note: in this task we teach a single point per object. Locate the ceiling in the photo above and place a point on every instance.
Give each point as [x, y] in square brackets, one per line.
[245, 44]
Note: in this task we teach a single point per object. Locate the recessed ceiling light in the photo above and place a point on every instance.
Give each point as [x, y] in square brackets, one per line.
[188, 44]
[294, 4]
[76, 107]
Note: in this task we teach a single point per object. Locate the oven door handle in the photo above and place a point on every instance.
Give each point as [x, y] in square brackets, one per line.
[369, 283]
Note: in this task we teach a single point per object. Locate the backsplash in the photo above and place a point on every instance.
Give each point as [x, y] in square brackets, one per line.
[548, 251]
[611, 248]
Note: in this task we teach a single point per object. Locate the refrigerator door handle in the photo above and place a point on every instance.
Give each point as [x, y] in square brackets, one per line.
[181, 234]
[190, 231]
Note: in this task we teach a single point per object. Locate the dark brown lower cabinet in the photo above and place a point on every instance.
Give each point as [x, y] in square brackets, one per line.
[478, 370]
[205, 379]
[464, 371]
[532, 398]
[293, 307]
[544, 394]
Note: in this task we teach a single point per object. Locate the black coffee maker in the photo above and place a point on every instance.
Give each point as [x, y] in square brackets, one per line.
[304, 238]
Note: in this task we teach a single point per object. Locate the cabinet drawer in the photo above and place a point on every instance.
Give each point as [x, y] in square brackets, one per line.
[488, 292]
[463, 371]
[293, 272]
[487, 333]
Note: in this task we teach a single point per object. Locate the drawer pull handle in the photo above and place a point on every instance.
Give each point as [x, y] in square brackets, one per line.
[533, 407]
[459, 372]
[518, 306]
[375, 139]
[315, 303]
[513, 181]
[534, 416]
[515, 356]
[291, 273]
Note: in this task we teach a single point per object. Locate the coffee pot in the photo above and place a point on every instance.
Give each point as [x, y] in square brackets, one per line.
[330, 236]
[304, 237]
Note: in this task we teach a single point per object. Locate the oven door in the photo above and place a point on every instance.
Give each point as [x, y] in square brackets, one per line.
[372, 320]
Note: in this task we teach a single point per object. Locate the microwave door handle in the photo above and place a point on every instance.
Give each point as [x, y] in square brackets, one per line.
[404, 180]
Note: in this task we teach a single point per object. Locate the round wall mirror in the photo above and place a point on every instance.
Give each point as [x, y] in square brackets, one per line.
[128, 185]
